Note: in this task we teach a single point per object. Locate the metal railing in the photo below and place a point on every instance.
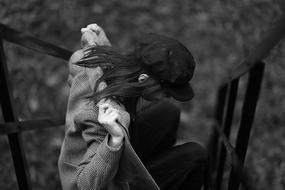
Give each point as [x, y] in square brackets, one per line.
[220, 145]
[12, 127]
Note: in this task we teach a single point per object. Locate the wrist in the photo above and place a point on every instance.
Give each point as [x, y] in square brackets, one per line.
[116, 141]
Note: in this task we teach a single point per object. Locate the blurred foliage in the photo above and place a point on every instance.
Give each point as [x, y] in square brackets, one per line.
[218, 33]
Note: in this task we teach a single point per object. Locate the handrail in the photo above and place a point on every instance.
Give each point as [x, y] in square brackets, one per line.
[260, 52]
[235, 161]
[222, 128]
[15, 127]
[247, 118]
[33, 43]
[226, 127]
[9, 115]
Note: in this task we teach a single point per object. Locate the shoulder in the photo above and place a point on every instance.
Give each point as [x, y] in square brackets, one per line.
[76, 56]
[80, 73]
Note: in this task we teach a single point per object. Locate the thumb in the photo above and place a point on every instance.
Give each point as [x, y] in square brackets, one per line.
[102, 85]
[103, 108]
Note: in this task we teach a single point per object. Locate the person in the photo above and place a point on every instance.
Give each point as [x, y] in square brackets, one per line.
[120, 124]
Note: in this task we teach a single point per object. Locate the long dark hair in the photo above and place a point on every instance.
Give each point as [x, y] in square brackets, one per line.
[121, 72]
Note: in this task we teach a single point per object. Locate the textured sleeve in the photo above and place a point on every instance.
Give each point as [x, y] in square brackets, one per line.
[100, 162]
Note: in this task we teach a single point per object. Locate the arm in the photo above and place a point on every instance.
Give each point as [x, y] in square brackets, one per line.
[95, 35]
[100, 162]
[104, 139]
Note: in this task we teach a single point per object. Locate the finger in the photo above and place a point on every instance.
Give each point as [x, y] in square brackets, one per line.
[103, 105]
[101, 86]
[114, 116]
[92, 26]
[95, 28]
[118, 120]
[84, 30]
[109, 110]
[103, 108]
[101, 102]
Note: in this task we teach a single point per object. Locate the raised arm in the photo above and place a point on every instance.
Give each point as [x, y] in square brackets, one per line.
[98, 123]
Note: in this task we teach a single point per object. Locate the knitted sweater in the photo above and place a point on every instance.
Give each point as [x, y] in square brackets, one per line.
[86, 160]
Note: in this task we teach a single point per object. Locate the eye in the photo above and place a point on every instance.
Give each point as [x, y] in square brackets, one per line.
[143, 77]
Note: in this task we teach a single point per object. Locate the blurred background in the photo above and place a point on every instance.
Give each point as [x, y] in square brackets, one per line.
[218, 33]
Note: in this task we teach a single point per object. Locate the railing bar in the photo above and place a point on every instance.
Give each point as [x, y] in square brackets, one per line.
[218, 116]
[236, 164]
[14, 127]
[15, 139]
[30, 42]
[261, 51]
[213, 142]
[248, 111]
[226, 129]
[222, 121]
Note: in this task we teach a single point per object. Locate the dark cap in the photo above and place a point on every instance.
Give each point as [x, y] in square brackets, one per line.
[169, 63]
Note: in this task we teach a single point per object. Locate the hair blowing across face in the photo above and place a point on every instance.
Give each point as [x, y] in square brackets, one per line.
[121, 74]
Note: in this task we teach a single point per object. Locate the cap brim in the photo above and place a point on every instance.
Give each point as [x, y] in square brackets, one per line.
[183, 94]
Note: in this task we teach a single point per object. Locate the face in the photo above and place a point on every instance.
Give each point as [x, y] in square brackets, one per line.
[158, 94]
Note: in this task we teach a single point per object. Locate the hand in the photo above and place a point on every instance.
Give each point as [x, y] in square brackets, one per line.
[93, 34]
[109, 118]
